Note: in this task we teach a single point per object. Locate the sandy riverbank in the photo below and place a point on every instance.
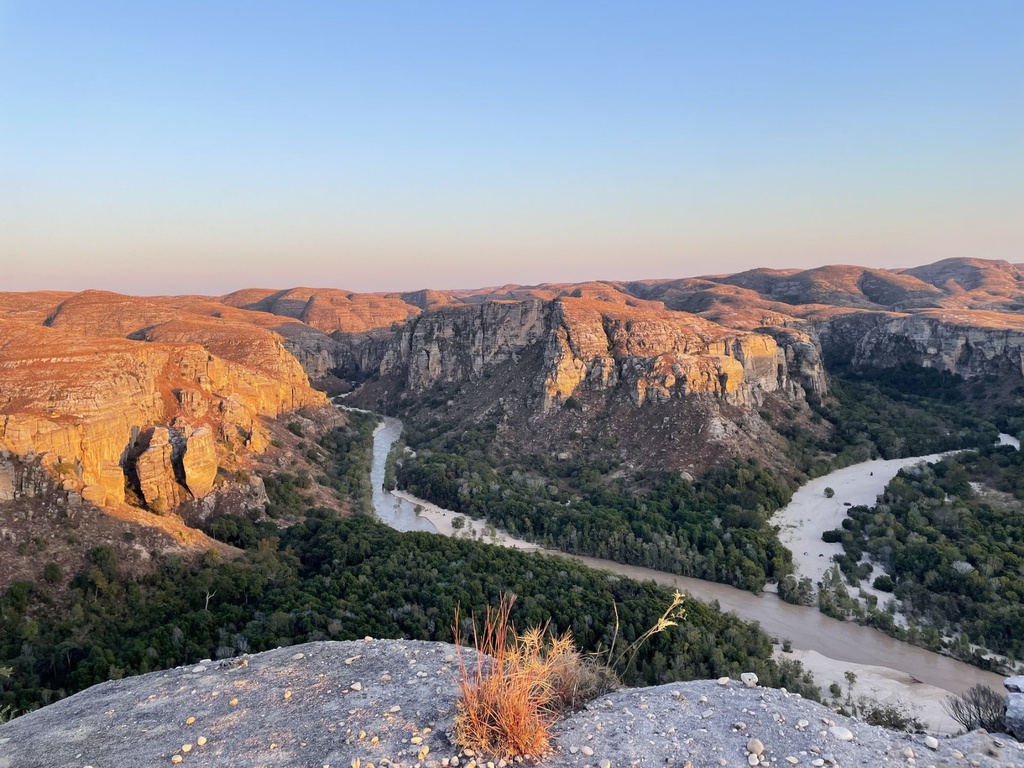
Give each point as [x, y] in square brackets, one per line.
[810, 513]
[882, 684]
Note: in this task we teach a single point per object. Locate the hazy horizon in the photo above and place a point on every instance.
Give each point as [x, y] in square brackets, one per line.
[204, 149]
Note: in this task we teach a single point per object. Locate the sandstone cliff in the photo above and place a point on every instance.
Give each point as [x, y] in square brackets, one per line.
[967, 343]
[86, 400]
[645, 353]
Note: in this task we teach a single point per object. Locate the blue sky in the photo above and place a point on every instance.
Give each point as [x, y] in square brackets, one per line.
[203, 147]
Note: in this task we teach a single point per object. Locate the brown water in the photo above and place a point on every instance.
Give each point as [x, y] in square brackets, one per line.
[807, 628]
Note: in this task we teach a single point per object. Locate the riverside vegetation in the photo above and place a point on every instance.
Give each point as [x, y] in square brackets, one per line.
[323, 577]
[715, 527]
[949, 538]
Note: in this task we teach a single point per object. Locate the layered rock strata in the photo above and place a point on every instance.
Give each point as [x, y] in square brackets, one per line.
[648, 354]
[87, 400]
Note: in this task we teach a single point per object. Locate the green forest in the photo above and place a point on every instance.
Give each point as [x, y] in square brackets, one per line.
[953, 556]
[339, 579]
[713, 529]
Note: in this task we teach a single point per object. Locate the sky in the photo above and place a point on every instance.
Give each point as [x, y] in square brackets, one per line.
[202, 147]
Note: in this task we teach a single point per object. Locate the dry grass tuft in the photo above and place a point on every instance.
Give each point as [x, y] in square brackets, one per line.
[511, 695]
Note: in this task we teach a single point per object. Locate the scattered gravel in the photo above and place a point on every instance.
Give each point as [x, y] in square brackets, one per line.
[392, 703]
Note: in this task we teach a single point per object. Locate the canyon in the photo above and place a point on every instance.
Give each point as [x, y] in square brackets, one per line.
[150, 396]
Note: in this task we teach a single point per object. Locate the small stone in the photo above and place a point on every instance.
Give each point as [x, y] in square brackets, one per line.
[587, 751]
[573, 750]
[801, 724]
[739, 726]
[841, 733]
[468, 752]
[792, 760]
[356, 686]
[351, 659]
[233, 702]
[395, 708]
[287, 695]
[201, 741]
[385, 678]
[298, 656]
[908, 753]
[198, 670]
[176, 759]
[749, 679]
[723, 681]
[958, 755]
[416, 740]
[189, 720]
[753, 760]
[605, 764]
[755, 747]
[186, 748]
[931, 742]
[707, 713]
[817, 762]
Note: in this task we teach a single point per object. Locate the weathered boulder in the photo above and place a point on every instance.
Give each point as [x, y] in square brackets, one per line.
[200, 462]
[155, 470]
[1015, 706]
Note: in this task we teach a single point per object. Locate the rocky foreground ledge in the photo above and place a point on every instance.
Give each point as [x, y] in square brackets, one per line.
[392, 703]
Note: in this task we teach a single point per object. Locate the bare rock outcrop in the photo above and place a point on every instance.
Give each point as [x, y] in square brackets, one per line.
[199, 462]
[1015, 706]
[394, 701]
[155, 469]
[84, 399]
[647, 353]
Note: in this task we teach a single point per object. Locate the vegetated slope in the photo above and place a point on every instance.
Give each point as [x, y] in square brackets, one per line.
[331, 578]
[950, 539]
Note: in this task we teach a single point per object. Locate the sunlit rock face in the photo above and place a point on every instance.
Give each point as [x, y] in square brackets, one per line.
[99, 370]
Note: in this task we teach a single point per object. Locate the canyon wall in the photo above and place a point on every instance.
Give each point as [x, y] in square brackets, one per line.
[644, 353]
[968, 343]
[153, 416]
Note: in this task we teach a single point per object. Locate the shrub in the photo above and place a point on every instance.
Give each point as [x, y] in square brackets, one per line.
[832, 537]
[51, 575]
[884, 583]
[829, 493]
[978, 707]
[896, 715]
[296, 429]
[510, 695]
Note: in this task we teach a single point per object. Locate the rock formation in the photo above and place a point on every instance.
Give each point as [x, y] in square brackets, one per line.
[393, 702]
[80, 372]
[85, 399]
[647, 353]
[1015, 706]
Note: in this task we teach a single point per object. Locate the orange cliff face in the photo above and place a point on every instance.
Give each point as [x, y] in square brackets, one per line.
[159, 413]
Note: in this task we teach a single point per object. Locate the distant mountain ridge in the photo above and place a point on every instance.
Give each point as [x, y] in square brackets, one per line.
[154, 396]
